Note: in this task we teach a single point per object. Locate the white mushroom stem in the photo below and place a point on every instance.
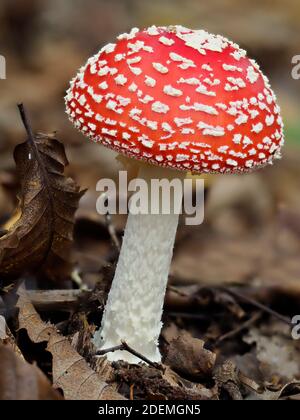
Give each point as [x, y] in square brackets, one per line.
[135, 303]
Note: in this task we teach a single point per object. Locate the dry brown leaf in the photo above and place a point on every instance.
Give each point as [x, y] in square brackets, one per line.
[152, 384]
[42, 235]
[276, 351]
[197, 390]
[290, 391]
[21, 381]
[187, 356]
[71, 372]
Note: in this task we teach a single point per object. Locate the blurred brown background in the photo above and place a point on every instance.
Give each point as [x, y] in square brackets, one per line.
[45, 42]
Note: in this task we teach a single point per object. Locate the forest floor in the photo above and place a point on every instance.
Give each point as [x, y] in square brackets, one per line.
[234, 285]
[233, 289]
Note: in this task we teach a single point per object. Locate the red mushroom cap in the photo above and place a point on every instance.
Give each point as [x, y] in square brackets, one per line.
[180, 98]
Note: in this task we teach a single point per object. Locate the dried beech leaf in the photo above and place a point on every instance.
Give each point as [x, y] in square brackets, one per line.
[187, 356]
[71, 372]
[21, 381]
[42, 235]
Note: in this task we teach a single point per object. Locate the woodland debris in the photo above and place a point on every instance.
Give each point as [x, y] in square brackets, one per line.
[21, 381]
[41, 235]
[150, 383]
[227, 379]
[125, 347]
[187, 356]
[8, 339]
[70, 371]
[276, 352]
[57, 300]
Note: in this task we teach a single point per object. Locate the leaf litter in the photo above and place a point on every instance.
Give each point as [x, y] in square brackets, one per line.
[70, 371]
[41, 233]
[218, 342]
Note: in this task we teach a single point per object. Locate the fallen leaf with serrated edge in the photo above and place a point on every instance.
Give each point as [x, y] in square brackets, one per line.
[41, 238]
[21, 381]
[71, 373]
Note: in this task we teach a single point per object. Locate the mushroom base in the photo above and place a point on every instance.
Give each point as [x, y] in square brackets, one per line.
[135, 303]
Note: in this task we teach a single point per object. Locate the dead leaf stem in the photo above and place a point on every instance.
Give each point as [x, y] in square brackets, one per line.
[35, 152]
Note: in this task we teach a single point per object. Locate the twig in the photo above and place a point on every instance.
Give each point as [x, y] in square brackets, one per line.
[240, 328]
[111, 228]
[125, 347]
[109, 349]
[131, 392]
[112, 231]
[55, 300]
[188, 315]
[250, 383]
[177, 291]
[259, 305]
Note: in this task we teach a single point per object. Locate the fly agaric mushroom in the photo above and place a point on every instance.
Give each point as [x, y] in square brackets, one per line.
[181, 99]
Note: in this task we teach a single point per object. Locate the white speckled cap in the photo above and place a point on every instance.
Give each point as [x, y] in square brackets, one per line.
[180, 98]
